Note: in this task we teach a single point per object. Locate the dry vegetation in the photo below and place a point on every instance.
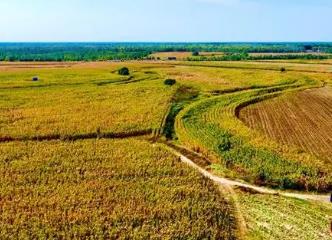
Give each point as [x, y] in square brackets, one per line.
[80, 100]
[106, 189]
[302, 119]
[131, 188]
[211, 127]
[276, 217]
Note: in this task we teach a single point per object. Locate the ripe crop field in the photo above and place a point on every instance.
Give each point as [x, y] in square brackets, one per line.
[275, 217]
[300, 66]
[105, 189]
[83, 155]
[79, 101]
[303, 119]
[211, 127]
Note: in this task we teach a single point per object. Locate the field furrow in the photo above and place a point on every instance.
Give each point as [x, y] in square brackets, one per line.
[305, 120]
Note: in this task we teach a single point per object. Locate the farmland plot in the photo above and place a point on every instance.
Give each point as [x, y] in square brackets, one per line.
[302, 119]
[106, 189]
[276, 217]
[80, 101]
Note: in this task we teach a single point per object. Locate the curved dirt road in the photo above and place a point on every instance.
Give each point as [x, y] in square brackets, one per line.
[233, 183]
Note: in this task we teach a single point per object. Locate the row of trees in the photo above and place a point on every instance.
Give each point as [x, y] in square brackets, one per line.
[246, 56]
[127, 51]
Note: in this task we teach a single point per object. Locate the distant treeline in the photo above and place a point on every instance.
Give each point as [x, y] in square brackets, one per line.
[132, 51]
[246, 56]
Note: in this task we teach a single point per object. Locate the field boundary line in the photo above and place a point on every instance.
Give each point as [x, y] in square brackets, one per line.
[226, 190]
[120, 135]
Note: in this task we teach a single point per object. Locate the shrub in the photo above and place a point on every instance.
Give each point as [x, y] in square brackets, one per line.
[224, 145]
[35, 79]
[195, 53]
[124, 71]
[283, 69]
[169, 82]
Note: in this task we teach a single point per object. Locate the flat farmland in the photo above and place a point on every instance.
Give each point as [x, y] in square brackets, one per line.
[106, 189]
[88, 153]
[276, 217]
[87, 98]
[229, 77]
[302, 119]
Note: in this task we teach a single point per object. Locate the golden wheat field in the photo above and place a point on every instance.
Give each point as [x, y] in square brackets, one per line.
[83, 149]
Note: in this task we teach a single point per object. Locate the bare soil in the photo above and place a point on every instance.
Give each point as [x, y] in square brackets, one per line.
[303, 120]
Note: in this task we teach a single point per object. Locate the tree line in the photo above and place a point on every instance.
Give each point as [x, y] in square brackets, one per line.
[134, 51]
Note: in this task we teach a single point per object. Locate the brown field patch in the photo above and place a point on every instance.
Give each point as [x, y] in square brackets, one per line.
[302, 120]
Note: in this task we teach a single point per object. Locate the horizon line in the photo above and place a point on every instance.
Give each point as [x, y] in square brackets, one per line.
[186, 42]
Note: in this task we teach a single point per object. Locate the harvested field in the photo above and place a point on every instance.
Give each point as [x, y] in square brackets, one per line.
[303, 120]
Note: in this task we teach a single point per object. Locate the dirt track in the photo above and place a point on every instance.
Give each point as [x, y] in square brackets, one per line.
[232, 183]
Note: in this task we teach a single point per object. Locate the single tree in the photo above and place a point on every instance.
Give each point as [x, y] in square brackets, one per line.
[124, 71]
[169, 82]
[195, 53]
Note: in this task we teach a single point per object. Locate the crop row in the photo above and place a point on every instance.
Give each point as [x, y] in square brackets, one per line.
[211, 126]
[310, 111]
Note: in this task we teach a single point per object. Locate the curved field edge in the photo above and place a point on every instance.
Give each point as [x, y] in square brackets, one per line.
[211, 127]
[106, 189]
[310, 111]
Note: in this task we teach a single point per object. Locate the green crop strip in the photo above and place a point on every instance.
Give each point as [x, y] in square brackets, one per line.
[211, 127]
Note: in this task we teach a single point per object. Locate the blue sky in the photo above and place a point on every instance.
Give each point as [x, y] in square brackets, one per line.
[166, 20]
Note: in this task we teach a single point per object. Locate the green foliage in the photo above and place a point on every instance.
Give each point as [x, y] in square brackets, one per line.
[246, 57]
[128, 51]
[183, 96]
[170, 82]
[224, 144]
[211, 126]
[124, 71]
[195, 53]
